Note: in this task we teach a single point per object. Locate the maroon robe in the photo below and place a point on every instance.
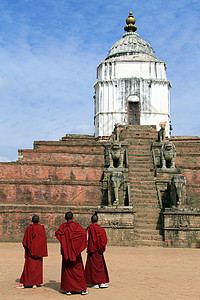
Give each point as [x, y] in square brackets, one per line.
[95, 270]
[35, 245]
[73, 239]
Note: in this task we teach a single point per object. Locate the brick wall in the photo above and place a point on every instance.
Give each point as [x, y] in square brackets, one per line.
[49, 180]
[188, 160]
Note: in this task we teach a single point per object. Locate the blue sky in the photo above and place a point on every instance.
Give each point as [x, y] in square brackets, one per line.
[49, 51]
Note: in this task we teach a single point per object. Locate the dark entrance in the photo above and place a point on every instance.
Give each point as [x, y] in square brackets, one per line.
[134, 113]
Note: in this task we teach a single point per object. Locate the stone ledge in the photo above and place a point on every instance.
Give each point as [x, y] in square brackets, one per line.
[188, 167]
[60, 164]
[51, 182]
[182, 228]
[119, 209]
[45, 208]
[86, 143]
[60, 151]
[168, 171]
[184, 138]
[181, 211]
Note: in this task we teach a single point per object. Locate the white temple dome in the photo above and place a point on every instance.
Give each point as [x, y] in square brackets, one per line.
[131, 45]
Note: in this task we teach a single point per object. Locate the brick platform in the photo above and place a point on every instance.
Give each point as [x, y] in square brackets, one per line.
[57, 176]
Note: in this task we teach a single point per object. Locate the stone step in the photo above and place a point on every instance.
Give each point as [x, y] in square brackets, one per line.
[143, 184]
[145, 179]
[135, 159]
[140, 155]
[149, 128]
[139, 151]
[148, 237]
[139, 131]
[143, 205]
[150, 226]
[143, 189]
[148, 206]
[140, 178]
[146, 167]
[149, 243]
[148, 213]
[146, 218]
[143, 193]
[146, 231]
[143, 198]
[133, 147]
[137, 136]
[134, 170]
[140, 159]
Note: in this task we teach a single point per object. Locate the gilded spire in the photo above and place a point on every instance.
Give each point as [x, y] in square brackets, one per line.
[130, 21]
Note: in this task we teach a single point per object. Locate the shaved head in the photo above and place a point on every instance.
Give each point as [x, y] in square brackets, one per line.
[69, 216]
[35, 219]
[94, 218]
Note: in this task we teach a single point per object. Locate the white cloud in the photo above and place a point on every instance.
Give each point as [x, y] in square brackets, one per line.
[4, 159]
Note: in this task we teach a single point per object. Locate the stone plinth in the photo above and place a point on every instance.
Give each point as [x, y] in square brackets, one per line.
[118, 223]
[182, 227]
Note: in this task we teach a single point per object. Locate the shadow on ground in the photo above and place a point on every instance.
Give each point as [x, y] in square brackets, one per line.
[54, 285]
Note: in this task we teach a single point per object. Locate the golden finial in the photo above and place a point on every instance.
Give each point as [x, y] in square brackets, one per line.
[130, 21]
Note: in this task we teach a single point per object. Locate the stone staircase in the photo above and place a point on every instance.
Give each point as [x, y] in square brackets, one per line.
[147, 230]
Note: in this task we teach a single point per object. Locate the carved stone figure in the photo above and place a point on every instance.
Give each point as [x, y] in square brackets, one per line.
[116, 187]
[116, 132]
[168, 155]
[116, 155]
[117, 183]
[178, 190]
[161, 134]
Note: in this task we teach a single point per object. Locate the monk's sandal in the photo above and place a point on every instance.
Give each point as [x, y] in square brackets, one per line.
[19, 286]
[68, 293]
[84, 292]
[103, 285]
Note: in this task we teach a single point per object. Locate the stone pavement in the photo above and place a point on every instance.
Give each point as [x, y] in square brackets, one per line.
[140, 273]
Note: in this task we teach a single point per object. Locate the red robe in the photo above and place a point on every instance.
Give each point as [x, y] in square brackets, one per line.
[35, 244]
[73, 239]
[95, 270]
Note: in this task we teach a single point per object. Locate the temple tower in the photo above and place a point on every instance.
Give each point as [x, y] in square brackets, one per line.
[132, 87]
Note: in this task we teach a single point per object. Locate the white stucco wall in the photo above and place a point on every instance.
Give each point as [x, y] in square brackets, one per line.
[120, 78]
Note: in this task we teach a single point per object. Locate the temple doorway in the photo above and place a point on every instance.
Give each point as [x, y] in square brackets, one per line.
[133, 113]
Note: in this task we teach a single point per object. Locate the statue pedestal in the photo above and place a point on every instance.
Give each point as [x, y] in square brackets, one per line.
[118, 223]
[182, 227]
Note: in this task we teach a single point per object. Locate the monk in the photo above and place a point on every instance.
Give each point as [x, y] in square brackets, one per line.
[96, 271]
[35, 245]
[73, 239]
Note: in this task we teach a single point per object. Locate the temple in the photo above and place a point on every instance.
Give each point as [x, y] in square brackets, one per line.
[132, 86]
[143, 184]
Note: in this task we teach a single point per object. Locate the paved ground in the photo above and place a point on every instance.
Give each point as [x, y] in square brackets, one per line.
[136, 273]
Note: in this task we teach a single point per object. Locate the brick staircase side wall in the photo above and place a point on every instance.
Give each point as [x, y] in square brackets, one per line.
[188, 160]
